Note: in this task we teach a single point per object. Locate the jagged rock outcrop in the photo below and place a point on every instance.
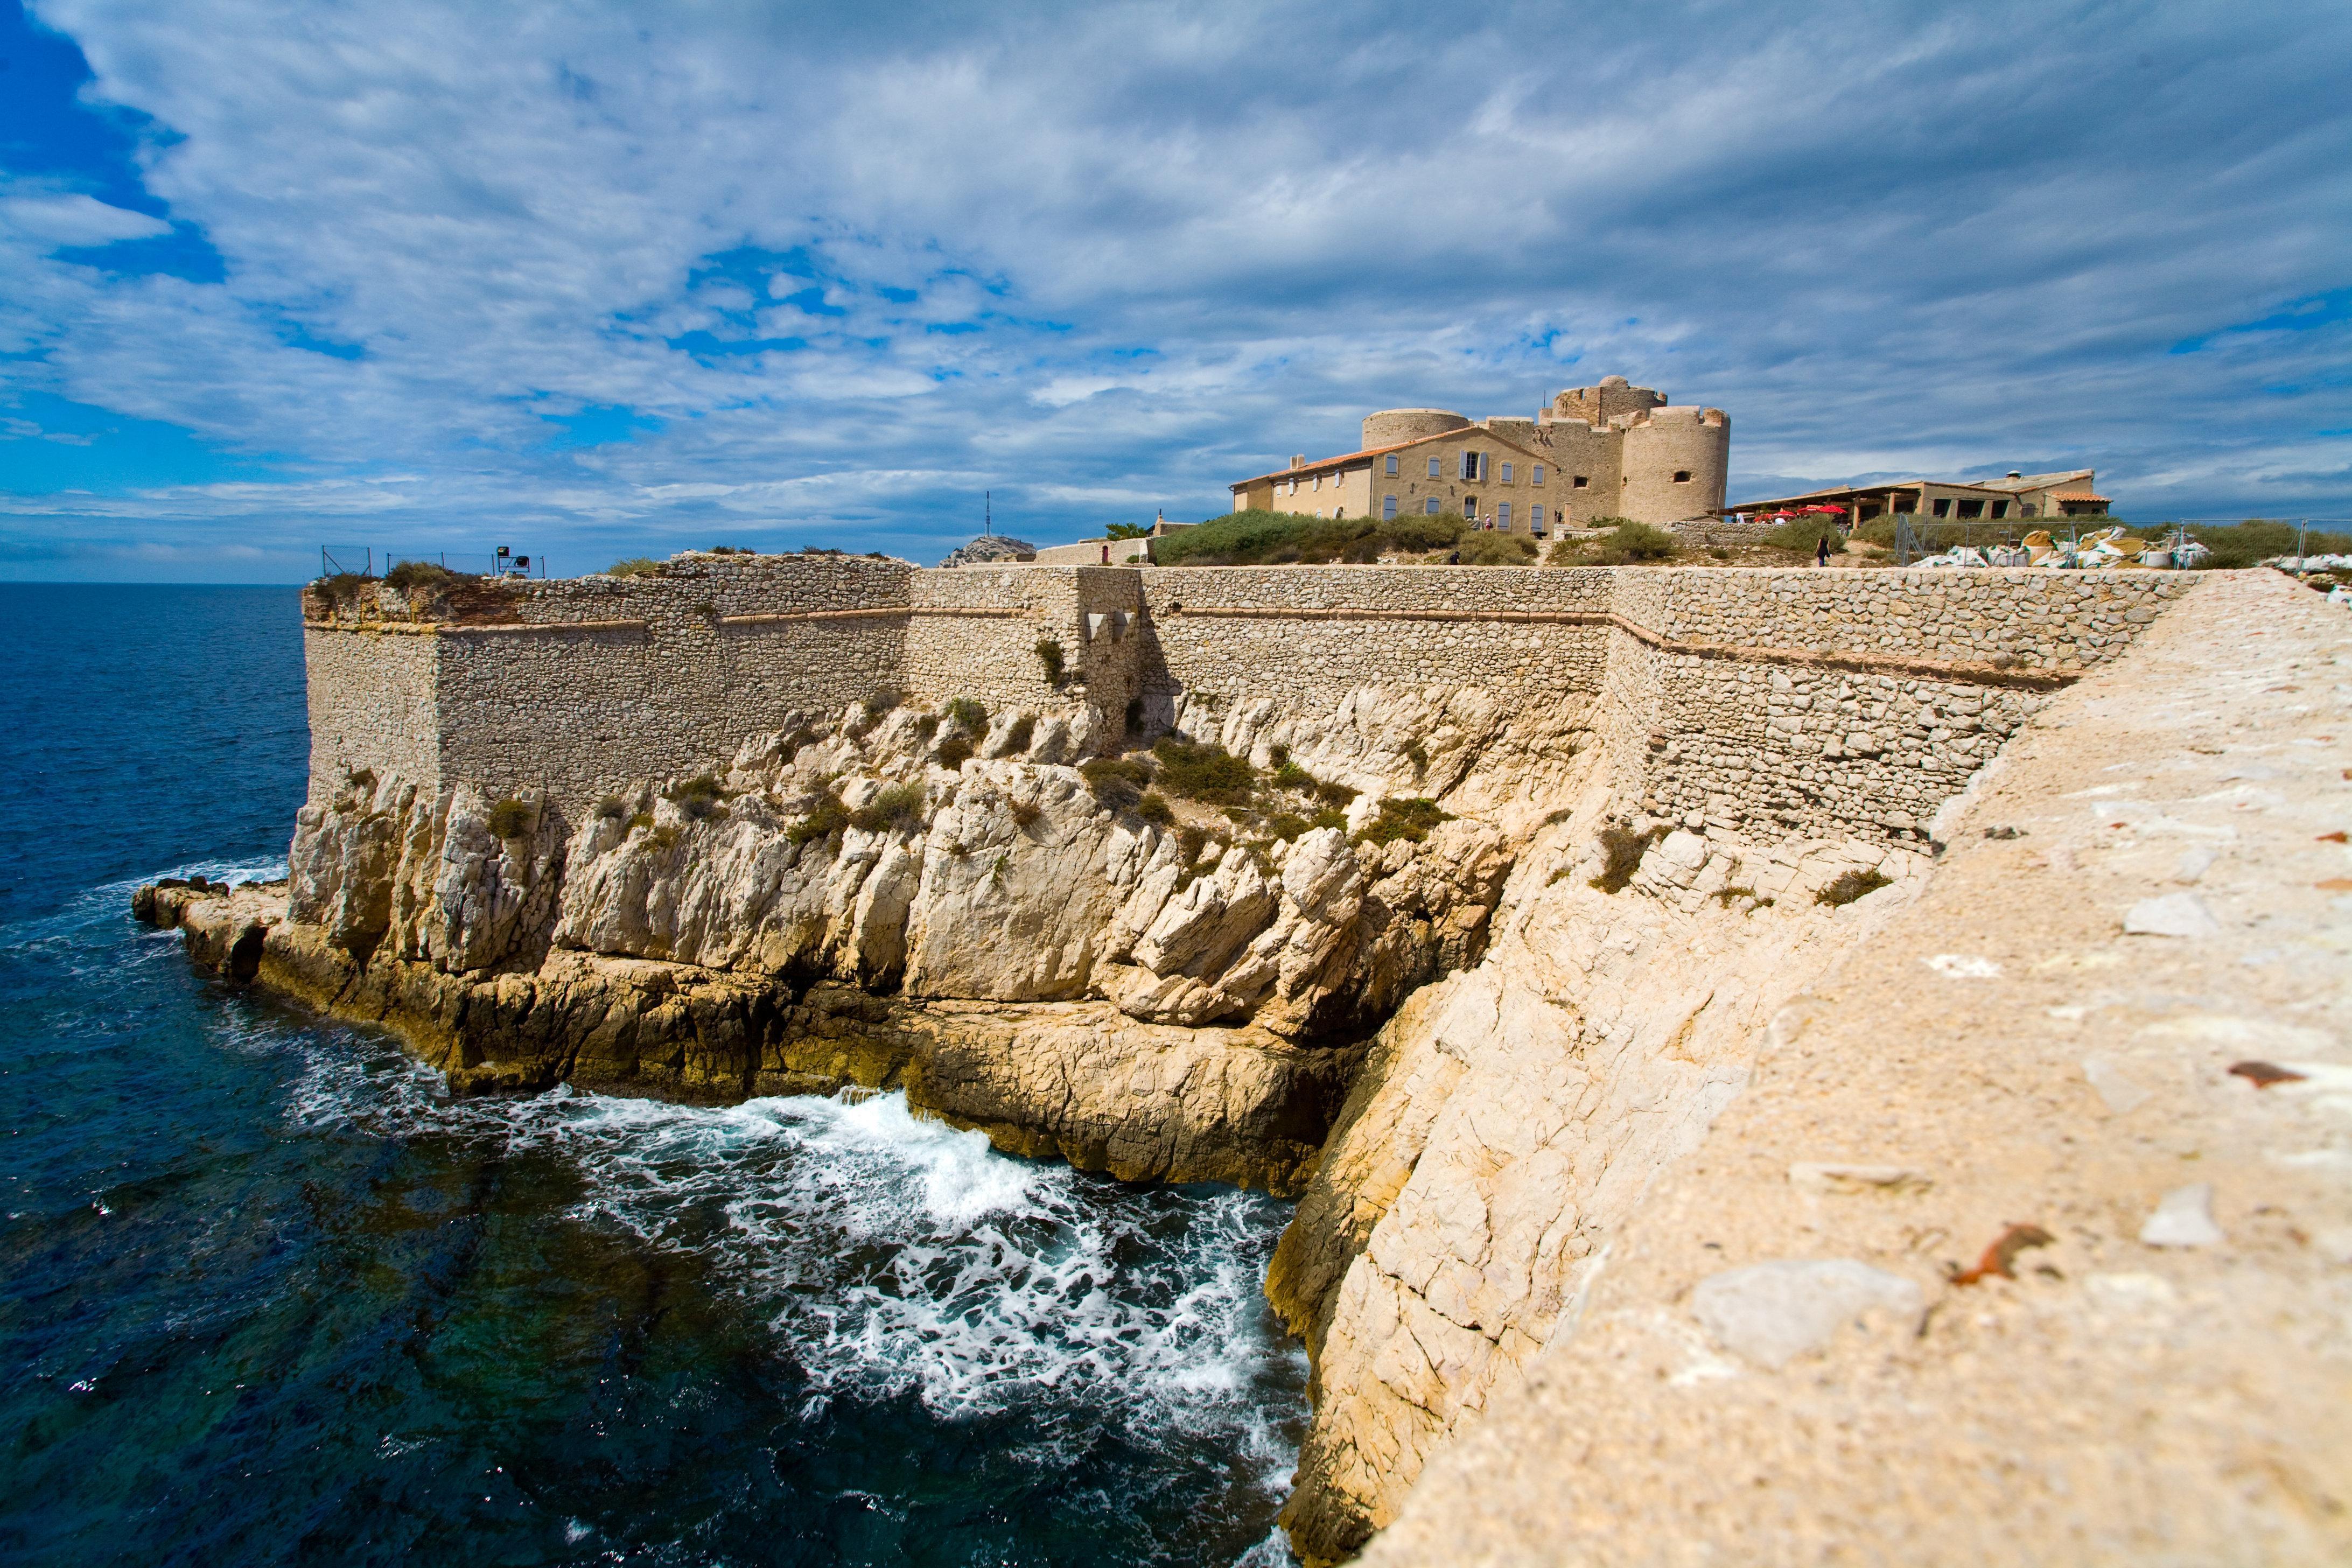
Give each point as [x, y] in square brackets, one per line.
[945, 903]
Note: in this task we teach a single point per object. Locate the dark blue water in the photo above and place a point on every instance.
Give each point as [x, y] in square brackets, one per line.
[269, 1297]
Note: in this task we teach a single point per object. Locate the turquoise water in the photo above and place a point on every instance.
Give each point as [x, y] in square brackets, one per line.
[270, 1297]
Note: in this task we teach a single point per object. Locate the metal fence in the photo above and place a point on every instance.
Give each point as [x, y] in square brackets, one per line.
[372, 561]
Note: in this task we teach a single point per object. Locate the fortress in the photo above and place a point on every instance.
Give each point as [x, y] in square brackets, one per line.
[1611, 450]
[1708, 1017]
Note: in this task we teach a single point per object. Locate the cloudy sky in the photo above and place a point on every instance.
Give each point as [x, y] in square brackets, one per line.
[603, 280]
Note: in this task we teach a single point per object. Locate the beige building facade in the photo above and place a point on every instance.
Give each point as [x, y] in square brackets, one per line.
[2072, 493]
[1611, 450]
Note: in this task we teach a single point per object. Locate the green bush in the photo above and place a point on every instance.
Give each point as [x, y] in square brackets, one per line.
[1154, 808]
[1409, 818]
[1289, 775]
[411, 575]
[2258, 539]
[1626, 543]
[968, 715]
[1335, 794]
[1127, 530]
[827, 818]
[1491, 547]
[1118, 781]
[1803, 535]
[698, 797]
[1621, 855]
[1851, 886]
[953, 752]
[1204, 772]
[897, 805]
[1286, 825]
[1329, 816]
[1257, 538]
[511, 818]
[1049, 654]
[343, 587]
[634, 566]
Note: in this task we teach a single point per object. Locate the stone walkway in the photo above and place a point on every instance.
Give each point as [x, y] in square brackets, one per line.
[2031, 1240]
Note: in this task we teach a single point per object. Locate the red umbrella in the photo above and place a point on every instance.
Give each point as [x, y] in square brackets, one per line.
[1839, 510]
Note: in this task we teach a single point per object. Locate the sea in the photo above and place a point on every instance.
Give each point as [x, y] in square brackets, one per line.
[268, 1295]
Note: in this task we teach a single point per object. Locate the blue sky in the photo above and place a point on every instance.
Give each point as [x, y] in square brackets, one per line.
[599, 280]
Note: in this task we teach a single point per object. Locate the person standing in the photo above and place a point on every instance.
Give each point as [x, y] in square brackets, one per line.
[1822, 551]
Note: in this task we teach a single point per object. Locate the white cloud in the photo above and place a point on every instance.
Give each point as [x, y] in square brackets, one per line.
[1192, 241]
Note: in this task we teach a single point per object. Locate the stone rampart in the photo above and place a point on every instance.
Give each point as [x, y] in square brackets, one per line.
[1791, 700]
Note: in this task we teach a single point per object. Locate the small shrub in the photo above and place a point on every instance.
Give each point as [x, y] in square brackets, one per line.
[1850, 886]
[1289, 775]
[1127, 530]
[1330, 816]
[611, 809]
[827, 818]
[1026, 813]
[1489, 547]
[968, 715]
[1630, 541]
[729, 550]
[510, 818]
[1204, 772]
[953, 752]
[698, 797]
[1049, 654]
[895, 805]
[926, 725]
[1336, 795]
[642, 819]
[1286, 826]
[1803, 535]
[410, 576]
[1154, 808]
[1118, 781]
[342, 588]
[1024, 730]
[1190, 840]
[881, 699]
[1728, 897]
[634, 566]
[1418, 533]
[664, 838]
[1621, 855]
[1409, 818]
[1418, 755]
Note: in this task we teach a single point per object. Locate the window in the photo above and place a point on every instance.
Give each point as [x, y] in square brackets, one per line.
[1503, 514]
[1972, 509]
[1430, 506]
[1434, 472]
[1318, 484]
[1534, 473]
[1944, 506]
[2025, 511]
[1579, 482]
[1388, 504]
[1507, 473]
[1682, 475]
[1393, 465]
[2000, 508]
[1474, 466]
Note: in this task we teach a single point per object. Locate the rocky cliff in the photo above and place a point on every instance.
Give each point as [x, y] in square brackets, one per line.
[1068, 950]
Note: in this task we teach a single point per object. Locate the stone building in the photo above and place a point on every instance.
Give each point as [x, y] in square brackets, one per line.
[1611, 450]
[2072, 493]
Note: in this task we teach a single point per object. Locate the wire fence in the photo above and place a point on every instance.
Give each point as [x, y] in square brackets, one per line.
[372, 561]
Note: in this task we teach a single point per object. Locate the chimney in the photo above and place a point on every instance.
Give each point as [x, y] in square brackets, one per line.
[2016, 474]
[1300, 461]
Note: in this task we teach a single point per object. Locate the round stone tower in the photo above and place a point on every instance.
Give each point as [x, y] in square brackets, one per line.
[1677, 460]
[1393, 426]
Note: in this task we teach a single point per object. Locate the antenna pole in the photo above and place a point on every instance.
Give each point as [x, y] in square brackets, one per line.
[987, 513]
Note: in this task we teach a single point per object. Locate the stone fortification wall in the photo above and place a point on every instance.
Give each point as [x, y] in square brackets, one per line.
[2051, 621]
[1693, 442]
[373, 705]
[1771, 701]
